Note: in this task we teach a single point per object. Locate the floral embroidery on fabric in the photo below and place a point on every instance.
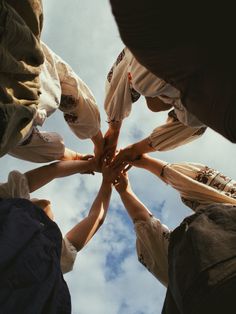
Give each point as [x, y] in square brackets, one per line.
[134, 94]
[118, 60]
[206, 175]
[141, 260]
[120, 57]
[217, 181]
[110, 74]
[67, 102]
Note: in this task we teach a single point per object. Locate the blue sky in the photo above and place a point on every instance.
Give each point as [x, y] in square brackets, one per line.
[107, 278]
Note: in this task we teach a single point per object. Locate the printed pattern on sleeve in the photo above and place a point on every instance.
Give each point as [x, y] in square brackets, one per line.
[217, 180]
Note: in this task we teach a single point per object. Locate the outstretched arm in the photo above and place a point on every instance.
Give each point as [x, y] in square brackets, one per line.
[98, 142]
[111, 139]
[153, 165]
[41, 176]
[151, 235]
[135, 208]
[81, 233]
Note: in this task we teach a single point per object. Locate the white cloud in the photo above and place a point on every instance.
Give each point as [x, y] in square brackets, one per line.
[85, 35]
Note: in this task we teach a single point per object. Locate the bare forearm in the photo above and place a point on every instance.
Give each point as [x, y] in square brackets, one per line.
[98, 139]
[102, 200]
[135, 208]
[142, 147]
[111, 138]
[41, 176]
[153, 165]
[80, 234]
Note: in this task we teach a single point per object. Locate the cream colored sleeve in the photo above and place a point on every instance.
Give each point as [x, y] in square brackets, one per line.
[50, 84]
[68, 256]
[173, 134]
[118, 89]
[77, 102]
[16, 186]
[152, 247]
[183, 178]
[146, 83]
[42, 147]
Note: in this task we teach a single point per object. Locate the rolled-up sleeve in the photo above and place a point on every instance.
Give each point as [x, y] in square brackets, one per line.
[77, 102]
[173, 134]
[16, 186]
[119, 91]
[152, 247]
[68, 256]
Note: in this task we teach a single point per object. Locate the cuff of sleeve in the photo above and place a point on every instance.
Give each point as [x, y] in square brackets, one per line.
[68, 255]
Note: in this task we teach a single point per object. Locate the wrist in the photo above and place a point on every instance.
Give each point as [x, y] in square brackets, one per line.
[127, 191]
[98, 138]
[114, 126]
[106, 183]
[135, 149]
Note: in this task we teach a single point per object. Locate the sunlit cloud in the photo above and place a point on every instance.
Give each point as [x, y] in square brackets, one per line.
[107, 277]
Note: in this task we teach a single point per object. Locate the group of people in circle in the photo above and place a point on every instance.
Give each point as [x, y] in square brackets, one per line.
[196, 261]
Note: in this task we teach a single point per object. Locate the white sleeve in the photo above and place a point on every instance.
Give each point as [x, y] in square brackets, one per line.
[119, 91]
[50, 84]
[146, 83]
[77, 102]
[68, 255]
[184, 177]
[152, 247]
[149, 85]
[173, 134]
[16, 186]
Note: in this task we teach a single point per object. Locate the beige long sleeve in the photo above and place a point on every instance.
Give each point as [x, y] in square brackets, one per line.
[62, 87]
[200, 184]
[120, 94]
[152, 247]
[173, 134]
[77, 102]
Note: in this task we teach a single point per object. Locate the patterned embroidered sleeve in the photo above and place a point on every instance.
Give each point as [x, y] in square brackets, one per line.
[199, 184]
[152, 247]
[68, 256]
[40, 147]
[119, 91]
[77, 102]
[16, 186]
[173, 134]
